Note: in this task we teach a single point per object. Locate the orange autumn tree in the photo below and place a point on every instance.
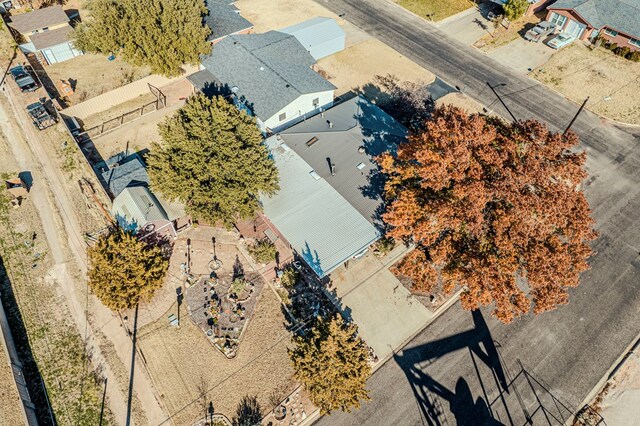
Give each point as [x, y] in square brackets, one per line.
[493, 208]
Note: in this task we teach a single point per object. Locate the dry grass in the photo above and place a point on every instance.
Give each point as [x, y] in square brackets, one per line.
[358, 65]
[461, 101]
[611, 82]
[11, 411]
[501, 35]
[181, 359]
[7, 48]
[435, 10]
[275, 14]
[94, 75]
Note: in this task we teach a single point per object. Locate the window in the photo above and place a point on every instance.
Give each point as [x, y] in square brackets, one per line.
[316, 102]
[557, 19]
[634, 42]
[610, 33]
[282, 116]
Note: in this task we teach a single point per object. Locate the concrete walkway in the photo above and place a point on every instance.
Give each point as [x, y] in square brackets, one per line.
[386, 313]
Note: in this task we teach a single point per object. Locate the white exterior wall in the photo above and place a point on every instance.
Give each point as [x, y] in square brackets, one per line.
[297, 110]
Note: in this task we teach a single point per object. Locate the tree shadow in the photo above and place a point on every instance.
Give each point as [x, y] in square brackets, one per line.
[463, 406]
[34, 382]
[238, 268]
[248, 412]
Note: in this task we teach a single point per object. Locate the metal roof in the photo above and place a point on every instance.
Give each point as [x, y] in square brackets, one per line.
[51, 38]
[621, 15]
[320, 36]
[354, 123]
[321, 226]
[270, 70]
[38, 19]
[223, 19]
[136, 206]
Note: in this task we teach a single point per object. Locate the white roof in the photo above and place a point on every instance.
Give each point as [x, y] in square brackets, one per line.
[321, 226]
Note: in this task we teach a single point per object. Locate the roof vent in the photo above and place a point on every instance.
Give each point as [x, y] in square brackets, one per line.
[278, 137]
[314, 175]
[312, 141]
[361, 166]
[288, 85]
[361, 149]
[330, 124]
[261, 68]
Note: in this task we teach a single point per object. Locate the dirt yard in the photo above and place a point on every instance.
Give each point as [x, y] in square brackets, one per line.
[501, 35]
[184, 364]
[461, 101]
[92, 75]
[275, 14]
[359, 64]
[435, 10]
[11, 411]
[611, 82]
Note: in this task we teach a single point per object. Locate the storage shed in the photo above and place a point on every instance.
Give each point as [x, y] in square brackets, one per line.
[320, 36]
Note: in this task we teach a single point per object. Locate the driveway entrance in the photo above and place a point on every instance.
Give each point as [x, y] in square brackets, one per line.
[385, 311]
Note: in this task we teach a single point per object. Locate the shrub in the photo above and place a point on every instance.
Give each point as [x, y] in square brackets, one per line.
[289, 277]
[263, 251]
[622, 51]
[634, 56]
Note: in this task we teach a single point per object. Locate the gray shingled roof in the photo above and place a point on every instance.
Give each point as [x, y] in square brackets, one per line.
[122, 173]
[223, 19]
[271, 70]
[621, 15]
[355, 123]
[41, 18]
[51, 38]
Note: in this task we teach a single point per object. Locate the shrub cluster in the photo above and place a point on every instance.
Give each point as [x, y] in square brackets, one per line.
[622, 51]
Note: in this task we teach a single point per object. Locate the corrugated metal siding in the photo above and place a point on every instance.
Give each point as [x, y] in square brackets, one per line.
[320, 36]
[322, 227]
[135, 206]
[60, 53]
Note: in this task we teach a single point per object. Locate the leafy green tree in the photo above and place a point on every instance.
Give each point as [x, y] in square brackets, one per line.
[212, 159]
[124, 270]
[263, 251]
[514, 9]
[163, 34]
[333, 364]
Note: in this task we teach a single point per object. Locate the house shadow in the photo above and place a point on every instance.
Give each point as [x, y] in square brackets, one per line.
[466, 408]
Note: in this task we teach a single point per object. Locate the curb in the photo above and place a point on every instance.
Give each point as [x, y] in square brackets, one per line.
[611, 372]
[438, 312]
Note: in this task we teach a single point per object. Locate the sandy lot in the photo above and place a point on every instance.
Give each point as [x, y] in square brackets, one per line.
[461, 101]
[611, 82]
[93, 75]
[435, 10]
[358, 65]
[501, 36]
[181, 360]
[274, 14]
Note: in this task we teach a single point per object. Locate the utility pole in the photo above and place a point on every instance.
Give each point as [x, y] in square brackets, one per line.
[104, 395]
[133, 366]
[515, 120]
[576, 116]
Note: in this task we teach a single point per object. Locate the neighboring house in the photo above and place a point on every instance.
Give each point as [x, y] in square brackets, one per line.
[46, 33]
[224, 19]
[615, 20]
[320, 36]
[135, 207]
[270, 75]
[329, 204]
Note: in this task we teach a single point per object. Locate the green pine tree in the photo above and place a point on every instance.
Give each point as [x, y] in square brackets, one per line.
[163, 34]
[124, 270]
[514, 9]
[212, 158]
[333, 364]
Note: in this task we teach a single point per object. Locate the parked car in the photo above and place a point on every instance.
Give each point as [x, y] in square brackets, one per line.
[23, 79]
[540, 31]
[561, 40]
[40, 115]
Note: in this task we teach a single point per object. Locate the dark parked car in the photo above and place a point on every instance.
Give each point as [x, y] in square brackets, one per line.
[23, 79]
[540, 31]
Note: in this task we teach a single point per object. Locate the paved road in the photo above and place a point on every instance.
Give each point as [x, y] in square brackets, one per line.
[452, 371]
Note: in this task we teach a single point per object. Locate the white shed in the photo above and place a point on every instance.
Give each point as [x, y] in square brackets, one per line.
[320, 36]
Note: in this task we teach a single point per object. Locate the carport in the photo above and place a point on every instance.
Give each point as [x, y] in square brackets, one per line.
[320, 36]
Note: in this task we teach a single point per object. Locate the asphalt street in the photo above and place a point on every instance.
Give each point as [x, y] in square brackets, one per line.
[456, 370]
